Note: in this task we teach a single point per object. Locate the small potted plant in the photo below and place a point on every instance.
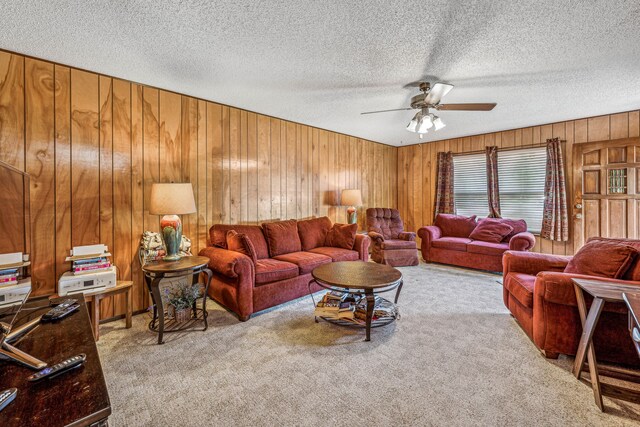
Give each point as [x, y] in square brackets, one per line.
[181, 298]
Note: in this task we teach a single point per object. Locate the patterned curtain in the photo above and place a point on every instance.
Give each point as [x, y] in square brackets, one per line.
[444, 184]
[555, 221]
[493, 190]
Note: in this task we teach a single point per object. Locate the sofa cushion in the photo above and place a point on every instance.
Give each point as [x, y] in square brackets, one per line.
[491, 230]
[455, 225]
[341, 236]
[399, 244]
[452, 243]
[313, 232]
[306, 261]
[487, 248]
[633, 273]
[518, 225]
[270, 270]
[337, 254]
[218, 237]
[239, 242]
[282, 237]
[602, 258]
[520, 285]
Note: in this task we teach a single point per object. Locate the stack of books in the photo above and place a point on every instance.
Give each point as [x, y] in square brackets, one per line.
[90, 265]
[8, 276]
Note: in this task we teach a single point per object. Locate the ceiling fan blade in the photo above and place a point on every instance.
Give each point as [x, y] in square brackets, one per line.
[437, 92]
[466, 107]
[386, 111]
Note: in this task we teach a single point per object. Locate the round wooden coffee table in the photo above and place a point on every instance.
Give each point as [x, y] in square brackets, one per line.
[361, 279]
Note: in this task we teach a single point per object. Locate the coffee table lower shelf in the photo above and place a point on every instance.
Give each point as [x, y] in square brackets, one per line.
[375, 323]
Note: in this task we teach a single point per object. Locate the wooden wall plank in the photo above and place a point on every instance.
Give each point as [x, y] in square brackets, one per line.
[62, 121]
[151, 151]
[85, 159]
[252, 168]
[202, 185]
[40, 165]
[189, 164]
[263, 165]
[12, 94]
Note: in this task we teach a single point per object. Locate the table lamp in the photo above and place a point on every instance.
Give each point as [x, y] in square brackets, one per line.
[171, 200]
[351, 198]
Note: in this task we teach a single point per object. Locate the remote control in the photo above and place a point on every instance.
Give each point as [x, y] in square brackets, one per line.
[60, 312]
[7, 397]
[65, 303]
[59, 368]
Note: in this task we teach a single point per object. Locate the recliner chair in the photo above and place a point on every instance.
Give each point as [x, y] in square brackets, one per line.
[391, 244]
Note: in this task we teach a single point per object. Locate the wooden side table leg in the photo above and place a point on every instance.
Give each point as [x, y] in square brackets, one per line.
[129, 296]
[96, 317]
[371, 302]
[157, 299]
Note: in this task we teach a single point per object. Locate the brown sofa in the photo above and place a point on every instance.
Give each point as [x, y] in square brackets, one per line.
[541, 296]
[391, 244]
[283, 265]
[448, 241]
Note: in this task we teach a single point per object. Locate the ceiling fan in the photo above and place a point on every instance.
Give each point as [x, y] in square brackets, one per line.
[430, 98]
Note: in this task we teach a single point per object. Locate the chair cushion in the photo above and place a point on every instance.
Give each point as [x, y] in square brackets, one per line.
[239, 242]
[306, 261]
[341, 236]
[490, 230]
[633, 273]
[602, 258]
[399, 244]
[520, 285]
[385, 221]
[313, 232]
[218, 237]
[271, 270]
[337, 254]
[487, 248]
[282, 237]
[455, 225]
[452, 243]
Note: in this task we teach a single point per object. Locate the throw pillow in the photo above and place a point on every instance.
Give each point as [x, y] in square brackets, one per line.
[455, 225]
[490, 230]
[282, 237]
[603, 259]
[239, 242]
[313, 232]
[341, 236]
[518, 225]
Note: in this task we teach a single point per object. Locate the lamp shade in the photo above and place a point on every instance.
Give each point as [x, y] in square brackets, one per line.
[172, 199]
[351, 197]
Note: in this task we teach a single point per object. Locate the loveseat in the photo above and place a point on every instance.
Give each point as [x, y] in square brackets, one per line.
[465, 242]
[278, 266]
[541, 297]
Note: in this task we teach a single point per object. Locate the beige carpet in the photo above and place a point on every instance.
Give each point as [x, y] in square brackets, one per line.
[456, 357]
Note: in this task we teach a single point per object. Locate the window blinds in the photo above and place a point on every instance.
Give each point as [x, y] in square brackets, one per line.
[470, 185]
[521, 176]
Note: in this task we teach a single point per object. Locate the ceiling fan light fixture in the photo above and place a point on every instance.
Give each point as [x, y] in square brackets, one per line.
[413, 124]
[438, 123]
[425, 124]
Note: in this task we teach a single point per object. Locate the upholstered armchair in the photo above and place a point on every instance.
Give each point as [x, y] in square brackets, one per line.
[390, 243]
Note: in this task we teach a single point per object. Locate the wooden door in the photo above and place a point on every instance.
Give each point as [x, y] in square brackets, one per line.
[607, 189]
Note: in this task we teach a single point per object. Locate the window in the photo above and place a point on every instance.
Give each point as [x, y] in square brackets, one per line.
[470, 185]
[521, 176]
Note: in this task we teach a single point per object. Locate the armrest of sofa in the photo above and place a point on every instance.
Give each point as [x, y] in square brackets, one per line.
[429, 233]
[532, 263]
[228, 263]
[362, 246]
[407, 235]
[558, 288]
[376, 237]
[522, 241]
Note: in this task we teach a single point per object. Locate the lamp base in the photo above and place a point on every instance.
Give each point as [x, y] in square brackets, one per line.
[171, 227]
[352, 215]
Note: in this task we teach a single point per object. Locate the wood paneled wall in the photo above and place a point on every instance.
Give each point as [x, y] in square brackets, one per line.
[93, 146]
[417, 163]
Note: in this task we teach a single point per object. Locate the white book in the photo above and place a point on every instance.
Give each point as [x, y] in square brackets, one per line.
[12, 258]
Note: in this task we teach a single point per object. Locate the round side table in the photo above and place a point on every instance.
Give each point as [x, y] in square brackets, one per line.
[155, 271]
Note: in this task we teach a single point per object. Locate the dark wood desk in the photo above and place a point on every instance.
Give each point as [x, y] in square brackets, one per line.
[75, 398]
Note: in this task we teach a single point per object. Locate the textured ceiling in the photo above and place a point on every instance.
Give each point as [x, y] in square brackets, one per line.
[324, 62]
